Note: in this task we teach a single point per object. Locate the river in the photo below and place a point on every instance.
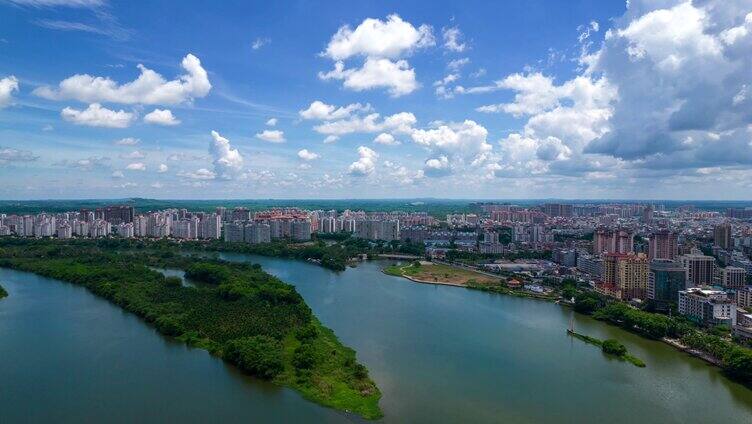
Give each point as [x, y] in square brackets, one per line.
[439, 354]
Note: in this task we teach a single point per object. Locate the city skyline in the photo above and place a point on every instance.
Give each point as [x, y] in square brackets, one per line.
[588, 100]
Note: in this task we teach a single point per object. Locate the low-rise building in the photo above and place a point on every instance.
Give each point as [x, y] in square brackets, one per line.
[707, 306]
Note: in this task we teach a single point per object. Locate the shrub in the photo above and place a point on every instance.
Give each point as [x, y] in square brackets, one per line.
[303, 357]
[306, 333]
[613, 347]
[169, 325]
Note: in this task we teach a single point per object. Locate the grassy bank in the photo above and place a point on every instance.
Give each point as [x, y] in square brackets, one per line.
[236, 311]
[440, 274]
[610, 347]
[445, 274]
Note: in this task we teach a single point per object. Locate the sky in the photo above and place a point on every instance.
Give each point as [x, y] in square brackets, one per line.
[474, 99]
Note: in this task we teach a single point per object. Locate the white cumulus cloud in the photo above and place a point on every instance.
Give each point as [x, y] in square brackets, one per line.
[272, 136]
[321, 111]
[161, 117]
[366, 163]
[7, 86]
[307, 155]
[386, 139]
[228, 162]
[149, 88]
[98, 116]
[383, 44]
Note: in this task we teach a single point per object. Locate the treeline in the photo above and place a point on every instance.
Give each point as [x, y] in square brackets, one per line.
[236, 311]
[736, 360]
[334, 255]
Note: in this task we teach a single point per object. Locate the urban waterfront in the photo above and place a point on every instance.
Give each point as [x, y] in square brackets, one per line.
[439, 354]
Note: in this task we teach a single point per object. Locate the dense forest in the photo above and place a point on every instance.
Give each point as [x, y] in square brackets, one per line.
[236, 311]
[736, 360]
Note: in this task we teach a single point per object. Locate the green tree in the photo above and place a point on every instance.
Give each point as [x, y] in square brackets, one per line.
[258, 355]
[613, 347]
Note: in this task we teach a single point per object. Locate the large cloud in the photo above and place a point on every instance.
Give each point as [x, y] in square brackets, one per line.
[383, 44]
[666, 89]
[228, 162]
[675, 75]
[149, 88]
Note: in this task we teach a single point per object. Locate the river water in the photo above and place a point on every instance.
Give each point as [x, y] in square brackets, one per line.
[439, 354]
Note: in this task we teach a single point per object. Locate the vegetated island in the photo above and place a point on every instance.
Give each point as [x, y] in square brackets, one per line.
[610, 347]
[3, 293]
[237, 312]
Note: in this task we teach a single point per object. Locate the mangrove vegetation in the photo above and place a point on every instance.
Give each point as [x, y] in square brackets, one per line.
[236, 311]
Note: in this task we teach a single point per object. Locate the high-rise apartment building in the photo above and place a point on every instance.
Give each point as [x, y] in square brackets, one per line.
[665, 279]
[663, 245]
[733, 277]
[234, 232]
[722, 236]
[699, 269]
[257, 232]
[613, 241]
[557, 209]
[117, 214]
[210, 226]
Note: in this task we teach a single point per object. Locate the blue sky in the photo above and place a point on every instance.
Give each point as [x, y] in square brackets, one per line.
[579, 99]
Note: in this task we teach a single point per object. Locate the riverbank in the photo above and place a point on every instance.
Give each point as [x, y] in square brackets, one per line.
[694, 352]
[3, 293]
[238, 313]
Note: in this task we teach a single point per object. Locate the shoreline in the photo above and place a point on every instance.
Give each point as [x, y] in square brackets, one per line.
[693, 352]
